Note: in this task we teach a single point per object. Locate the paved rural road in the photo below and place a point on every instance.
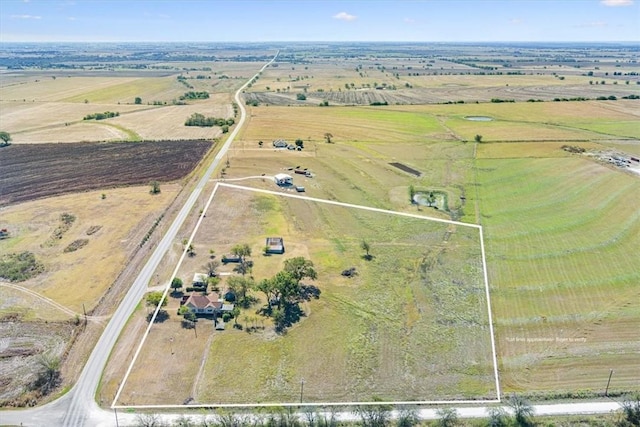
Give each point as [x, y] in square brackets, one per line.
[78, 407]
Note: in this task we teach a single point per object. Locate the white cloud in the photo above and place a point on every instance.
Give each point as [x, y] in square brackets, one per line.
[344, 16]
[71, 18]
[409, 21]
[26, 17]
[515, 21]
[614, 3]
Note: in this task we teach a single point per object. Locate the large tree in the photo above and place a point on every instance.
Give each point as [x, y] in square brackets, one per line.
[212, 267]
[240, 285]
[242, 251]
[154, 298]
[299, 268]
[176, 284]
[266, 286]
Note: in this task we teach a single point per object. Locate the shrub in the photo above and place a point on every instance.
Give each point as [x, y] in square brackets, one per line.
[17, 267]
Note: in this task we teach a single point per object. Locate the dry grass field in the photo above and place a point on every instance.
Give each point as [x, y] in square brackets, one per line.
[390, 332]
[124, 215]
[76, 280]
[26, 106]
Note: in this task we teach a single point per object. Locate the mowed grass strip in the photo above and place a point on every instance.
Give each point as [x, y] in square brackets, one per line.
[562, 237]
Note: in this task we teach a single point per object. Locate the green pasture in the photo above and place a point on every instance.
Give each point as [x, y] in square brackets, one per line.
[561, 236]
[412, 325]
[149, 89]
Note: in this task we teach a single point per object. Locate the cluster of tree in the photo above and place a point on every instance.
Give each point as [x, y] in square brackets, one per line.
[284, 292]
[195, 95]
[101, 116]
[198, 119]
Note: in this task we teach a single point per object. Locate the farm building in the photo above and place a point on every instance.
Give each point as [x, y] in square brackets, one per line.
[275, 245]
[283, 179]
[280, 143]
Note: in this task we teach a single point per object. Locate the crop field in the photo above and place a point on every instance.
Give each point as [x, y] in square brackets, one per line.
[35, 171]
[412, 325]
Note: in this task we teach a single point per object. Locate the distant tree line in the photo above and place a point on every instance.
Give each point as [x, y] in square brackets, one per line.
[198, 119]
[101, 116]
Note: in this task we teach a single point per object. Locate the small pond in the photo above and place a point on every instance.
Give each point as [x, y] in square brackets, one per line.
[435, 199]
[479, 118]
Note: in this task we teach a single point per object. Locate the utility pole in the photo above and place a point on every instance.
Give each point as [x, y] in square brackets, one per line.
[606, 391]
[115, 411]
[301, 388]
[85, 314]
[171, 344]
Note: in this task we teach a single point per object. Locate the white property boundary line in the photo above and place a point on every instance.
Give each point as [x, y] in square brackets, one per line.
[316, 404]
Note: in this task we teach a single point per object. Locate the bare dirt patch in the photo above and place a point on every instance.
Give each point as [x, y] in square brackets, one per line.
[42, 170]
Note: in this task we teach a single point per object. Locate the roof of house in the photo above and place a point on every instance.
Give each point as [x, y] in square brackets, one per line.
[203, 301]
[282, 177]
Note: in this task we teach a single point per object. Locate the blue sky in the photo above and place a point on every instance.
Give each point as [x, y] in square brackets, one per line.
[318, 20]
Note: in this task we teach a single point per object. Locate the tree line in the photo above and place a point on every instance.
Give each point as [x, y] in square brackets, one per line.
[101, 116]
[197, 119]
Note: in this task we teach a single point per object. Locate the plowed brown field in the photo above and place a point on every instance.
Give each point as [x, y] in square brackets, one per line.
[42, 170]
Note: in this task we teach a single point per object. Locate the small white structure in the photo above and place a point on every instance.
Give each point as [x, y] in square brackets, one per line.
[283, 179]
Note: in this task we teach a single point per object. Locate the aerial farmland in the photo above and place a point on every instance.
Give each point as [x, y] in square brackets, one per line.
[469, 215]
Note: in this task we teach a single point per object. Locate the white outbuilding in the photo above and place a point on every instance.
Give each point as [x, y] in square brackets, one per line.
[283, 179]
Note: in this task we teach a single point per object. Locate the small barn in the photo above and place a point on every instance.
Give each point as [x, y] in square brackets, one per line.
[283, 179]
[275, 245]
